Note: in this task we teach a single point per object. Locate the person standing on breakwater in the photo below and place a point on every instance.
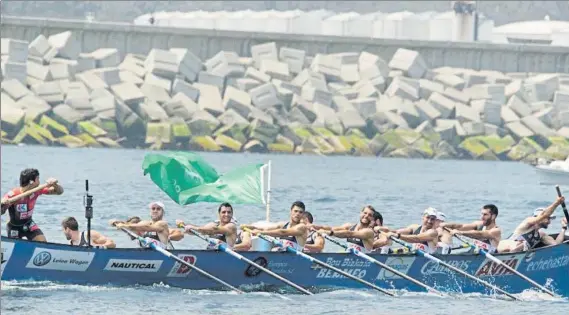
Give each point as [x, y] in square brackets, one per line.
[529, 234]
[21, 223]
[486, 233]
[224, 229]
[292, 233]
[70, 228]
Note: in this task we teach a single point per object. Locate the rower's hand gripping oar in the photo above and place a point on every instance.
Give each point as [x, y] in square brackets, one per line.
[501, 263]
[224, 248]
[563, 206]
[451, 267]
[321, 263]
[152, 245]
[377, 262]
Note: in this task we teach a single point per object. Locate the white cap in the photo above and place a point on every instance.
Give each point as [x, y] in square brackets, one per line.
[441, 216]
[430, 211]
[538, 211]
[157, 203]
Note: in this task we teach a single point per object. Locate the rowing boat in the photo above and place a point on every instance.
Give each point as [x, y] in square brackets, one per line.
[25, 260]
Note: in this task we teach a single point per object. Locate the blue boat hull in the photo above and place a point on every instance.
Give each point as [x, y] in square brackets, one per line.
[24, 260]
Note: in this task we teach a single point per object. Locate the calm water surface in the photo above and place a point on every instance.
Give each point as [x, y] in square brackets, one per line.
[334, 190]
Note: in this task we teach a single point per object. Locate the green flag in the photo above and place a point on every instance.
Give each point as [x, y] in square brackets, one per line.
[187, 178]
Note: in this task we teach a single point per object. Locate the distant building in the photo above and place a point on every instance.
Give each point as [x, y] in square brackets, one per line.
[543, 32]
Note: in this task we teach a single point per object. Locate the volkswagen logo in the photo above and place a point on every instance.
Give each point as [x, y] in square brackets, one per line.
[42, 259]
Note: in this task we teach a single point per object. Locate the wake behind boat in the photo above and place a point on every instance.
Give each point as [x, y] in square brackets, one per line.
[26, 260]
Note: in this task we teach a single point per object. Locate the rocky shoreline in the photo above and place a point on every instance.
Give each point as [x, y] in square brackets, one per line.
[277, 100]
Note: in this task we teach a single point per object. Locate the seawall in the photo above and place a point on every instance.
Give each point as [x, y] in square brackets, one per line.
[128, 38]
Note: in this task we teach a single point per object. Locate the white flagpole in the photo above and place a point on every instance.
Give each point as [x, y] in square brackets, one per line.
[269, 192]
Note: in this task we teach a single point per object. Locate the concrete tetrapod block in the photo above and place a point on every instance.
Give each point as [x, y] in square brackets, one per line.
[128, 93]
[38, 72]
[181, 86]
[50, 92]
[231, 117]
[15, 89]
[15, 50]
[310, 77]
[162, 63]
[225, 64]
[91, 81]
[314, 95]
[67, 116]
[408, 61]
[190, 64]
[155, 93]
[275, 69]
[265, 96]
[39, 47]
[66, 45]
[14, 70]
[443, 104]
[293, 57]
[210, 98]
[150, 111]
[106, 57]
[212, 79]
[264, 51]
[162, 82]
[203, 123]
[372, 66]
[181, 106]
[108, 75]
[521, 108]
[33, 106]
[327, 65]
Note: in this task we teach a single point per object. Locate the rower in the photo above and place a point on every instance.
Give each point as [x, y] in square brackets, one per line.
[314, 242]
[528, 234]
[70, 228]
[485, 232]
[360, 235]
[292, 233]
[425, 236]
[444, 244]
[155, 229]
[21, 223]
[224, 229]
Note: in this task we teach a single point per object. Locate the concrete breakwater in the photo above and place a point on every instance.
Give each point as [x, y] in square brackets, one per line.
[279, 100]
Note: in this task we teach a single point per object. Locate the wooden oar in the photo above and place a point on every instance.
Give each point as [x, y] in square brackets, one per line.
[321, 263]
[377, 262]
[498, 261]
[435, 259]
[25, 194]
[563, 206]
[166, 253]
[223, 247]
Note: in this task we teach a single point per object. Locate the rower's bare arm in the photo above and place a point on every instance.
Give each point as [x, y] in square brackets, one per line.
[361, 234]
[100, 240]
[245, 244]
[469, 226]
[298, 230]
[227, 229]
[175, 235]
[148, 226]
[381, 241]
[486, 234]
[407, 230]
[548, 240]
[428, 236]
[547, 213]
[318, 245]
[264, 227]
